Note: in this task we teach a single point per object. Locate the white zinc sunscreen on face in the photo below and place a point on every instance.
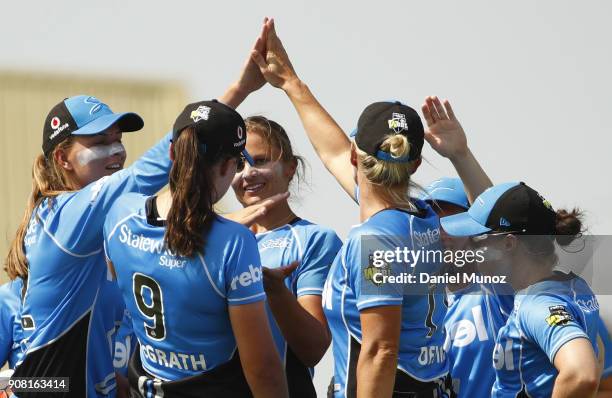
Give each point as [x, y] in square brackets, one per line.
[96, 152]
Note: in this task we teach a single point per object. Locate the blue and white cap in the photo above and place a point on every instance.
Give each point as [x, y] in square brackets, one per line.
[84, 115]
[512, 207]
[449, 190]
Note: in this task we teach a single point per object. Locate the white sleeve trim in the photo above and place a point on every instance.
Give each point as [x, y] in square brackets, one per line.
[248, 298]
[566, 339]
[375, 300]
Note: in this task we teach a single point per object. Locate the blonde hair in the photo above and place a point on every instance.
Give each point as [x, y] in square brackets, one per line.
[392, 179]
[49, 179]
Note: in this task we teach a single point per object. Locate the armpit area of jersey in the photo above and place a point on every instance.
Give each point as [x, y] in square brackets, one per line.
[66, 356]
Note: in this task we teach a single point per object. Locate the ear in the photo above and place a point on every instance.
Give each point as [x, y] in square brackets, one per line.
[353, 155]
[510, 242]
[417, 163]
[61, 158]
[289, 168]
[171, 154]
[224, 166]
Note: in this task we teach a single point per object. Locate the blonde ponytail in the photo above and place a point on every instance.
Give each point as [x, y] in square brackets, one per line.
[391, 178]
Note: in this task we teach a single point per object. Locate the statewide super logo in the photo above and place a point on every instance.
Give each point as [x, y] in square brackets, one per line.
[398, 122]
[201, 113]
[559, 316]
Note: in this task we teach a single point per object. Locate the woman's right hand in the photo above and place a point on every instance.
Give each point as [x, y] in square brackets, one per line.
[247, 216]
[274, 64]
[444, 133]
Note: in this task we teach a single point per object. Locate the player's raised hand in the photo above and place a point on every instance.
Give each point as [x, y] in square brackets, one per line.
[274, 63]
[444, 133]
[247, 216]
[250, 78]
[274, 277]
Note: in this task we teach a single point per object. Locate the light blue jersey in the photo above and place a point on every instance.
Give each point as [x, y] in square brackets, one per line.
[124, 344]
[65, 318]
[546, 315]
[421, 354]
[179, 305]
[315, 247]
[474, 316]
[10, 325]
[607, 344]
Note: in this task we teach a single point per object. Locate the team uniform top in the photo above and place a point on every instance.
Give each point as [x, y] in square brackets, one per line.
[605, 339]
[346, 294]
[178, 304]
[63, 313]
[473, 318]
[315, 247]
[10, 297]
[546, 315]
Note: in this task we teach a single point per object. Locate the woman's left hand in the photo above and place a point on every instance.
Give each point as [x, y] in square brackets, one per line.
[274, 277]
[251, 79]
[444, 133]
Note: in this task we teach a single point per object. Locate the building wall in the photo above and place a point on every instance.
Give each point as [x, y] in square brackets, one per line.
[26, 98]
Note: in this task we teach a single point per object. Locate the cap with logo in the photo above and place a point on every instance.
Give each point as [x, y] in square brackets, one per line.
[380, 119]
[221, 129]
[511, 207]
[83, 115]
[449, 190]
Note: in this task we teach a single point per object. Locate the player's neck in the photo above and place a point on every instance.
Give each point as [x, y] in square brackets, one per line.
[528, 273]
[163, 203]
[370, 202]
[275, 217]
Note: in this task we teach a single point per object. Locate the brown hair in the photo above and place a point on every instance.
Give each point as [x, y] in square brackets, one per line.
[49, 179]
[392, 179]
[276, 136]
[568, 227]
[193, 191]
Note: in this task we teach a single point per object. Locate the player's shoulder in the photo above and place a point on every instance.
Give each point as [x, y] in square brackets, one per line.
[223, 228]
[9, 295]
[312, 231]
[127, 203]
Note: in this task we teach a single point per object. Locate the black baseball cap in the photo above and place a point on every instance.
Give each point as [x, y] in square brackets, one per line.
[380, 119]
[221, 129]
[83, 115]
[512, 207]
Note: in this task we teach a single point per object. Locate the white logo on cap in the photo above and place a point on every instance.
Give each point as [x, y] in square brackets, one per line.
[55, 122]
[239, 132]
[200, 114]
[55, 125]
[398, 122]
[97, 105]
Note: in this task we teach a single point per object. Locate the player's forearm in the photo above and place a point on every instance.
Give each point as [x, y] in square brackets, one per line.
[267, 378]
[306, 336]
[376, 369]
[327, 138]
[575, 384]
[234, 96]
[473, 176]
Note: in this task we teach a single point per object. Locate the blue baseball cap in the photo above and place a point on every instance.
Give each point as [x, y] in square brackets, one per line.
[449, 190]
[83, 115]
[512, 207]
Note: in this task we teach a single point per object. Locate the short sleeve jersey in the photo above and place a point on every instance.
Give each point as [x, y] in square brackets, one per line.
[421, 353]
[474, 316]
[179, 305]
[63, 313]
[546, 315]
